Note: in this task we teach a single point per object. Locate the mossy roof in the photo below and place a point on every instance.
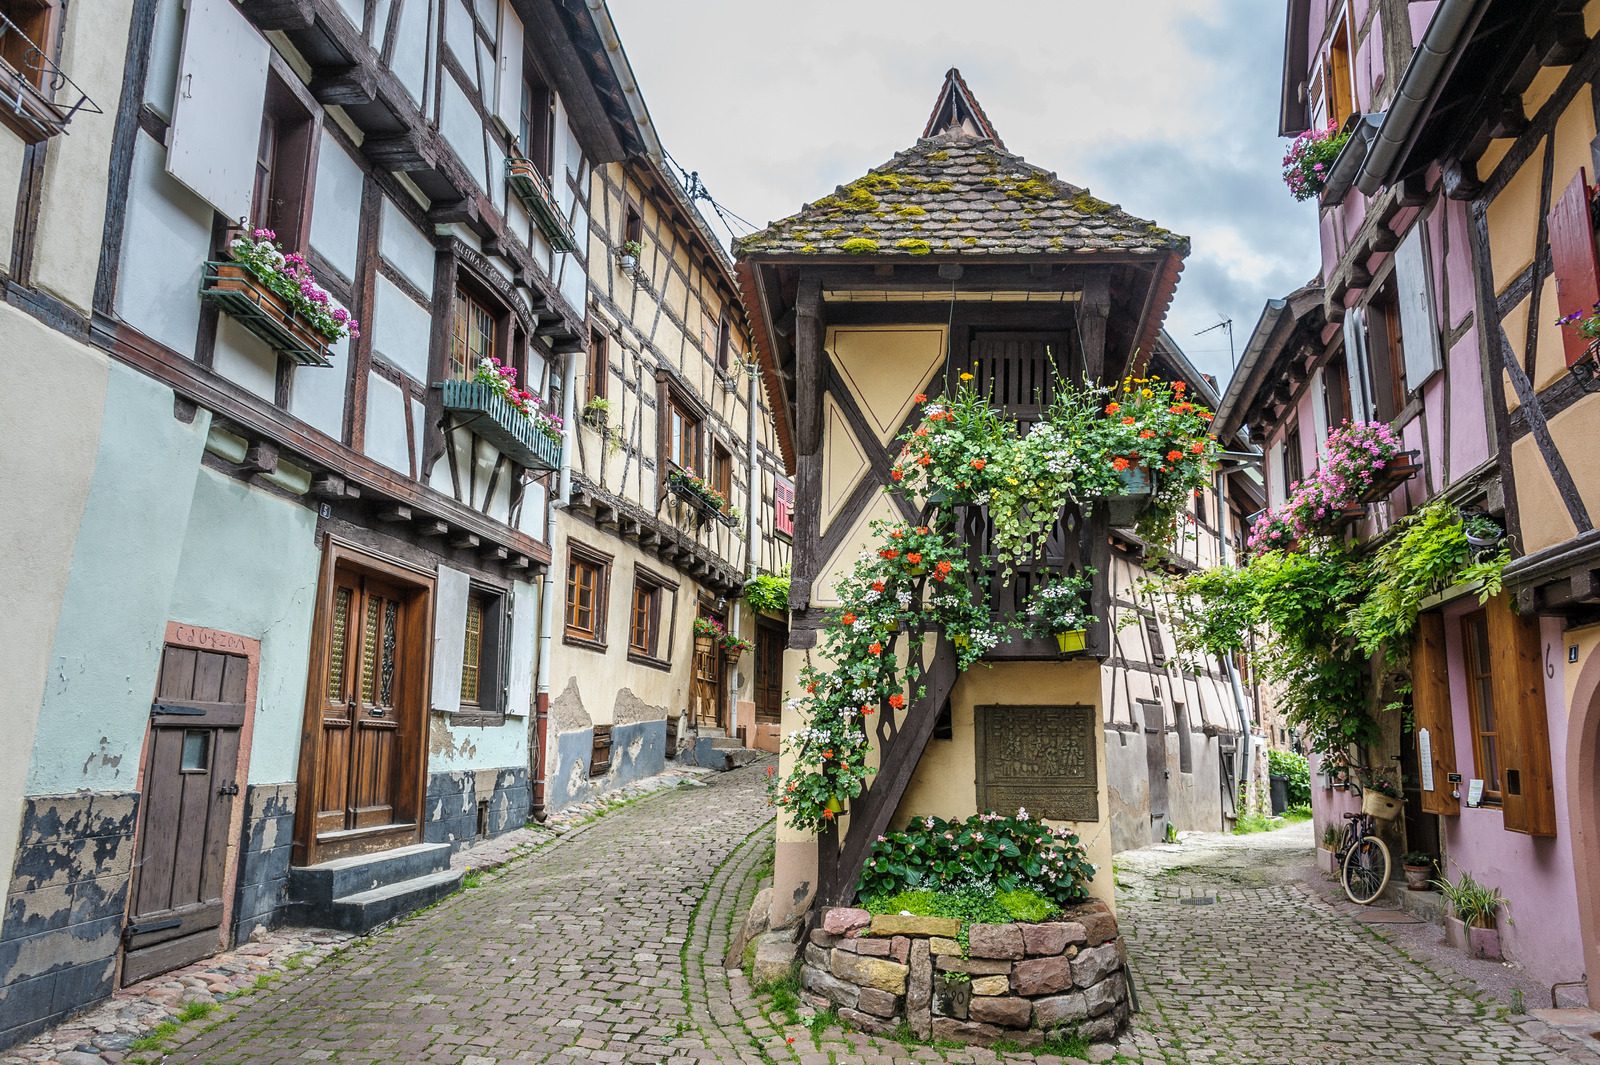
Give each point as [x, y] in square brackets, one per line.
[955, 194]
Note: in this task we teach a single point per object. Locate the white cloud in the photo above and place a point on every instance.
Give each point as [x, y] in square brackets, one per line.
[1167, 107]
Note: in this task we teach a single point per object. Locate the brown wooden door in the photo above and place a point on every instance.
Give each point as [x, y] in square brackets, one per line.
[705, 687]
[362, 774]
[770, 641]
[175, 907]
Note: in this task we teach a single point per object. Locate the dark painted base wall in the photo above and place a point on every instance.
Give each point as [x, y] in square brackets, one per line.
[263, 891]
[638, 750]
[64, 907]
[451, 810]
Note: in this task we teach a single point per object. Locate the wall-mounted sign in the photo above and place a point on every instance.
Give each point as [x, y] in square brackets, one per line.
[1475, 792]
[1039, 757]
[1425, 758]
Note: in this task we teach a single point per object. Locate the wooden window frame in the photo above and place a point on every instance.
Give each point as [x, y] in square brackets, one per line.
[1338, 70]
[598, 367]
[720, 475]
[1480, 674]
[286, 177]
[493, 659]
[665, 591]
[783, 510]
[632, 223]
[677, 402]
[594, 637]
[724, 343]
[1386, 350]
[1293, 460]
[1336, 392]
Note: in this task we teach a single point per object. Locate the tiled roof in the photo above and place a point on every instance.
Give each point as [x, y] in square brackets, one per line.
[956, 194]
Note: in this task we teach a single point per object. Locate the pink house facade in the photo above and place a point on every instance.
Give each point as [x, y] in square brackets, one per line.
[1451, 240]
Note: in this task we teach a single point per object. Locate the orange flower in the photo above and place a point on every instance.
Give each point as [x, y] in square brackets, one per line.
[979, 464]
[868, 711]
[889, 553]
[1119, 464]
[1205, 416]
[897, 534]
[827, 814]
[812, 687]
[922, 530]
[914, 557]
[828, 753]
[848, 619]
[923, 460]
[897, 474]
[943, 567]
[877, 586]
[1179, 386]
[1146, 434]
[1112, 408]
[938, 577]
[922, 430]
[920, 397]
[897, 700]
[1174, 456]
[1128, 421]
[876, 649]
[1198, 446]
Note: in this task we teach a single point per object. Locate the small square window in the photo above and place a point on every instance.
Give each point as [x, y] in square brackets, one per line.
[196, 757]
[588, 586]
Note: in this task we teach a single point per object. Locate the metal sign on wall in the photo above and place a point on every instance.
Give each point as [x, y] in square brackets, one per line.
[1038, 757]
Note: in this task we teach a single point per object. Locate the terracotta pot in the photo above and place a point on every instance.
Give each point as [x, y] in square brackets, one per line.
[1455, 932]
[1483, 942]
[1417, 877]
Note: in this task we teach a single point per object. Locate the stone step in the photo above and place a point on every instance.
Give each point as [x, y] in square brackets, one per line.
[366, 910]
[735, 757]
[319, 885]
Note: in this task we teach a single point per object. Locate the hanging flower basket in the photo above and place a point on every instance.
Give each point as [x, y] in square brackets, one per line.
[491, 416]
[1383, 807]
[1076, 640]
[1587, 368]
[835, 804]
[702, 645]
[1124, 508]
[530, 187]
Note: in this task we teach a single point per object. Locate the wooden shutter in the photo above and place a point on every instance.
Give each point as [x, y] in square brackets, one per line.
[1319, 414]
[1521, 721]
[1276, 474]
[216, 117]
[1419, 326]
[1430, 701]
[1355, 363]
[450, 637]
[1572, 257]
[783, 506]
[508, 88]
[522, 619]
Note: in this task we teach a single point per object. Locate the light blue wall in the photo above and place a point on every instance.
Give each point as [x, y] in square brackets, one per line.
[113, 619]
[249, 567]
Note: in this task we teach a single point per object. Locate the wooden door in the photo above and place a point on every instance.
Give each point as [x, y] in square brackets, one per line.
[705, 687]
[175, 907]
[368, 715]
[770, 641]
[1155, 753]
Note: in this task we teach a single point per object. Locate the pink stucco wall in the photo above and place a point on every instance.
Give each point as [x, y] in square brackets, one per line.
[1539, 928]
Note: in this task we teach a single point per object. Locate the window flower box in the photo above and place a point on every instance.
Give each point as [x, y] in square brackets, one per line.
[703, 500]
[1399, 469]
[530, 187]
[490, 415]
[248, 301]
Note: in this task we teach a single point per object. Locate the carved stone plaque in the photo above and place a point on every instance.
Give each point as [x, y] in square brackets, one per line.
[1041, 758]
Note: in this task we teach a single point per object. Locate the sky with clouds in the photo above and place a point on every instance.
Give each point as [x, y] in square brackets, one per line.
[1166, 107]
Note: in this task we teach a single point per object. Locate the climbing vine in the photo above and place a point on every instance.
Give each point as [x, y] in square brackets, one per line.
[1093, 442]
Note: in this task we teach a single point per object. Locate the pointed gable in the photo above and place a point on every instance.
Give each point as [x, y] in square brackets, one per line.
[957, 109]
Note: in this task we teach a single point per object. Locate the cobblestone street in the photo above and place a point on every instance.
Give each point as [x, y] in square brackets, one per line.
[608, 946]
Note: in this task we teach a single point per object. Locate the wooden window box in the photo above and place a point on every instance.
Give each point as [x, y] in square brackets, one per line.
[1405, 466]
[530, 187]
[489, 415]
[242, 295]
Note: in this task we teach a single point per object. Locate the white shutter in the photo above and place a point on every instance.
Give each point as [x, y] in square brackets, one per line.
[449, 637]
[519, 649]
[216, 117]
[1319, 412]
[1419, 329]
[508, 91]
[1275, 474]
[1355, 363]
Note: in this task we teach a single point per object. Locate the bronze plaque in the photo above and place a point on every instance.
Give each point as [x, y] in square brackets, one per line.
[1041, 758]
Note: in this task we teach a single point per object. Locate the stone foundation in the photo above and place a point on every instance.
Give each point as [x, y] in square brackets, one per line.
[1016, 982]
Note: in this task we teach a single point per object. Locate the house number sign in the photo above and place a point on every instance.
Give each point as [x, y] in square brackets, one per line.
[1038, 757]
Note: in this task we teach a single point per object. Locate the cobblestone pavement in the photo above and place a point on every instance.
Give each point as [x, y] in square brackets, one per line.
[608, 946]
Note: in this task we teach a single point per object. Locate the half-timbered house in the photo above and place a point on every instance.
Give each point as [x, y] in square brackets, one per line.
[1456, 227]
[282, 591]
[955, 256]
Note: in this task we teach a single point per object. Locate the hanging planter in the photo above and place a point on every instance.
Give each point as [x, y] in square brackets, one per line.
[702, 645]
[1383, 807]
[835, 805]
[1124, 508]
[1076, 640]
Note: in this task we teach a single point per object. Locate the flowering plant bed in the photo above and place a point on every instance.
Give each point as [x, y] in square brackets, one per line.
[276, 296]
[990, 851]
[530, 187]
[693, 489]
[1309, 159]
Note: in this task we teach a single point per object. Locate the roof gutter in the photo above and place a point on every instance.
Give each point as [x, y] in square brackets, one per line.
[624, 72]
[1418, 88]
[1234, 395]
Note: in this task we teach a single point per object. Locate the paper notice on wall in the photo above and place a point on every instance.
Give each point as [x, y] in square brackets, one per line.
[1475, 793]
[1425, 758]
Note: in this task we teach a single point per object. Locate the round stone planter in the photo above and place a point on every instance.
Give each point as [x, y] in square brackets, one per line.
[1016, 983]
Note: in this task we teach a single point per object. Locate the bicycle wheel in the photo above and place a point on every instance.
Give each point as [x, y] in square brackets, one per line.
[1366, 870]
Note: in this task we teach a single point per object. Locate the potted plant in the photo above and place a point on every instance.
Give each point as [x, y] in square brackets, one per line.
[1059, 608]
[1481, 530]
[768, 593]
[708, 632]
[1327, 854]
[1382, 796]
[1310, 158]
[1474, 908]
[275, 295]
[629, 254]
[1418, 867]
[733, 647]
[597, 412]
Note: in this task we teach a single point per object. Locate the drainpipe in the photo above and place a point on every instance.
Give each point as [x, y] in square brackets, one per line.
[752, 495]
[547, 602]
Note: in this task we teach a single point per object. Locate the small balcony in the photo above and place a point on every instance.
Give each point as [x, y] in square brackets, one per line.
[698, 498]
[478, 407]
[37, 99]
[246, 299]
[530, 187]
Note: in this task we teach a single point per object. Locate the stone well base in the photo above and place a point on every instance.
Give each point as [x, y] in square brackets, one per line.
[1017, 982]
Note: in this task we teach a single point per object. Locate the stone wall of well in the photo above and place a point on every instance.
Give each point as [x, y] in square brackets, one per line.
[1014, 982]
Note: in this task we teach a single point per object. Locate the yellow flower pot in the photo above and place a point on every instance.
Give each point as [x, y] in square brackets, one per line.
[961, 640]
[1075, 640]
[834, 804]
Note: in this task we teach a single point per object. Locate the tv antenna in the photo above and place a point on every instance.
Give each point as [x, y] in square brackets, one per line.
[1226, 323]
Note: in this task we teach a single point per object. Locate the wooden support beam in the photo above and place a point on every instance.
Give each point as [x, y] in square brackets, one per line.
[329, 486]
[1563, 41]
[1384, 239]
[354, 86]
[448, 212]
[496, 552]
[465, 539]
[279, 14]
[1460, 182]
[520, 562]
[404, 151]
[394, 512]
[431, 527]
[261, 457]
[1093, 312]
[808, 366]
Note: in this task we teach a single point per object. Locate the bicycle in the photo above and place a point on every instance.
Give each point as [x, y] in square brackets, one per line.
[1364, 863]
